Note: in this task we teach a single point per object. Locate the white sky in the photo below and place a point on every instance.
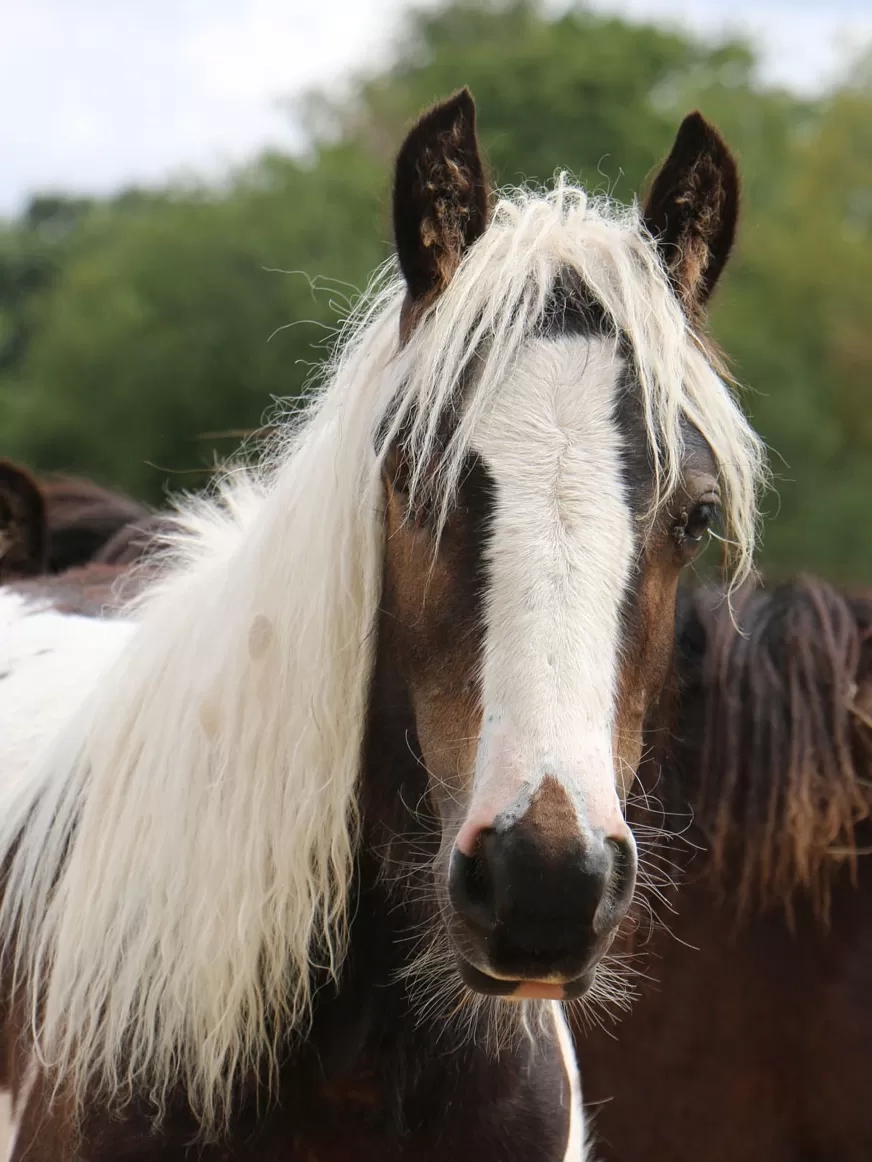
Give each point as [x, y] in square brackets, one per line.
[98, 93]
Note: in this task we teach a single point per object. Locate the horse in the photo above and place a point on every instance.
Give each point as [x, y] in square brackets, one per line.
[24, 546]
[304, 850]
[62, 522]
[754, 1037]
[135, 540]
[117, 573]
[89, 588]
[96, 589]
[83, 517]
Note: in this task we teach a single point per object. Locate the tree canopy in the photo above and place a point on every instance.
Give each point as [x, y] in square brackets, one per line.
[131, 328]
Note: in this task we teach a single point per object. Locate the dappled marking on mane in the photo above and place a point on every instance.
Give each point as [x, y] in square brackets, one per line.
[787, 739]
[231, 720]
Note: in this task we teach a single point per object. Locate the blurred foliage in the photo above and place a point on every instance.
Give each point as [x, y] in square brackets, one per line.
[131, 327]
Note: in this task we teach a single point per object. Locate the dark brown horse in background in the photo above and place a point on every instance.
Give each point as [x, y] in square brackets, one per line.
[62, 522]
[83, 518]
[24, 549]
[68, 542]
[752, 1039]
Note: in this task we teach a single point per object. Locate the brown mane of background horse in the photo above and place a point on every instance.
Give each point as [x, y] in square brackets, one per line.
[752, 1040]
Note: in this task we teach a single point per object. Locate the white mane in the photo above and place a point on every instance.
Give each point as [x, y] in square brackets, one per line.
[184, 856]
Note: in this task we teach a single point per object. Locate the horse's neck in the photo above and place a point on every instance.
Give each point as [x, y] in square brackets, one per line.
[369, 1013]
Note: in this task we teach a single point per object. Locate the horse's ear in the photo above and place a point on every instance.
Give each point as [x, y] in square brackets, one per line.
[23, 529]
[440, 195]
[692, 210]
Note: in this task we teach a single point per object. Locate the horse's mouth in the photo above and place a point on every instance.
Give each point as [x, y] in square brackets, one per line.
[523, 990]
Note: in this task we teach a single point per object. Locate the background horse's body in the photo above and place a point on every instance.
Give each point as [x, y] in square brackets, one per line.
[92, 590]
[64, 523]
[82, 517]
[69, 544]
[749, 1041]
[753, 1039]
[24, 540]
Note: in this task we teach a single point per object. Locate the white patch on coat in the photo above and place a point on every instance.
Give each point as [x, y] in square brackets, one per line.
[49, 663]
[575, 1146]
[6, 1124]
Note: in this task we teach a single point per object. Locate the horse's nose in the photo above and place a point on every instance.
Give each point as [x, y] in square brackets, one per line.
[537, 905]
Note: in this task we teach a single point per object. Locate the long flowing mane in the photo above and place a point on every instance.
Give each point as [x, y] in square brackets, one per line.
[783, 772]
[180, 857]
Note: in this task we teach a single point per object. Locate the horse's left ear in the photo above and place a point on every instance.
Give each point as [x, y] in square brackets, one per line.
[23, 525]
[440, 196]
[692, 210]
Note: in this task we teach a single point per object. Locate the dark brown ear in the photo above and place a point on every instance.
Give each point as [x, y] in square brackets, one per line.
[23, 532]
[440, 195]
[692, 210]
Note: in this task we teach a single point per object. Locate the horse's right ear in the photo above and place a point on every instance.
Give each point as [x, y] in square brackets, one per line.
[440, 196]
[692, 210]
[23, 526]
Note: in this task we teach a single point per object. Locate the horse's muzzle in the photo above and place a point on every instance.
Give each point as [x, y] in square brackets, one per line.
[531, 906]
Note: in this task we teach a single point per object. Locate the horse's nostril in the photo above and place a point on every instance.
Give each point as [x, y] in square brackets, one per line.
[471, 885]
[530, 909]
[620, 855]
[623, 857]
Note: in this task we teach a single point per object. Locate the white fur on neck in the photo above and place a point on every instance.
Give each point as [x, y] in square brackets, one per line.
[576, 1142]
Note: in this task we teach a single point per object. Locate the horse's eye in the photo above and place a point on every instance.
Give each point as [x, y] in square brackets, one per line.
[692, 525]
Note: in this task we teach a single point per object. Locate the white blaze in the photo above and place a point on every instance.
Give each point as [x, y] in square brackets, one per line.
[559, 557]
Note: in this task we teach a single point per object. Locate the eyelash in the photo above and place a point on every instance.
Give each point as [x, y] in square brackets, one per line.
[701, 517]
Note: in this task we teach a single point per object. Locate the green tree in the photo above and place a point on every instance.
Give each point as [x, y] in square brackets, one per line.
[173, 321]
[134, 325]
[796, 318]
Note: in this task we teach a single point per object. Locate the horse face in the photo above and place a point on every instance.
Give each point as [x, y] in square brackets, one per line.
[534, 626]
[534, 635]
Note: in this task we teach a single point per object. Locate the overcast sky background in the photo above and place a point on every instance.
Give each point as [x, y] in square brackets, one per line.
[98, 93]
